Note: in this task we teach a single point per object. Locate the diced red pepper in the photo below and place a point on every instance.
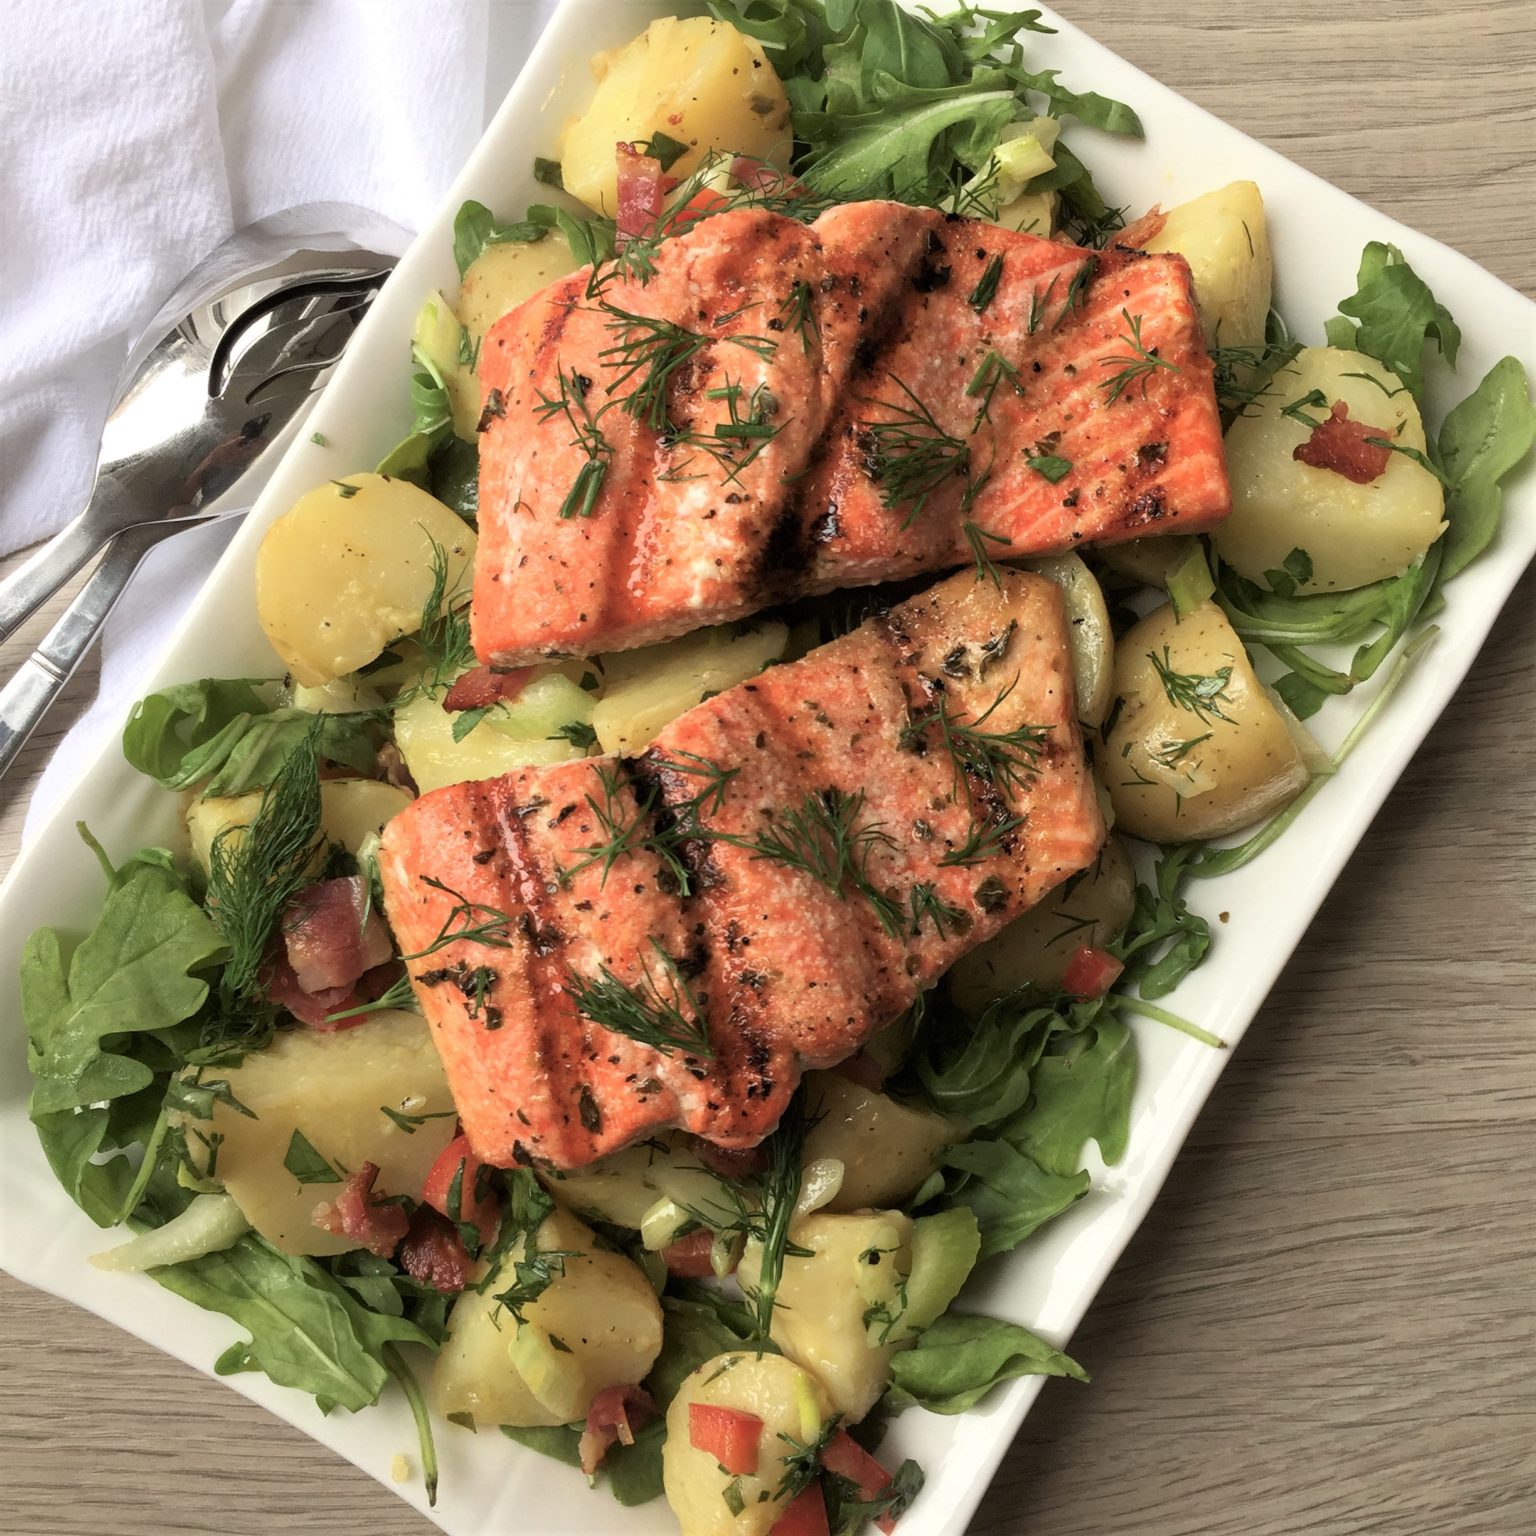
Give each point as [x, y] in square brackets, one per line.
[699, 206]
[1090, 973]
[688, 1257]
[457, 1162]
[1354, 449]
[616, 1413]
[845, 1457]
[481, 687]
[356, 1215]
[804, 1515]
[729, 1435]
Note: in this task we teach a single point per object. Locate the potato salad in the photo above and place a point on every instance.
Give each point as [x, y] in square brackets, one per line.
[622, 1012]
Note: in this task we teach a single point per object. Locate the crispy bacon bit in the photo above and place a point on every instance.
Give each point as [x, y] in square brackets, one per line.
[642, 184]
[616, 1413]
[281, 986]
[688, 1257]
[358, 1216]
[729, 1162]
[433, 1253]
[481, 687]
[1148, 227]
[1354, 449]
[332, 935]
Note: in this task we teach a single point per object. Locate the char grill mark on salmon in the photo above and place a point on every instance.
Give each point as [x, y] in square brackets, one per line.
[880, 416]
[513, 896]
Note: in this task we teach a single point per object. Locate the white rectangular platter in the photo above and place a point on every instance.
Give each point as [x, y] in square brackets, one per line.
[488, 1484]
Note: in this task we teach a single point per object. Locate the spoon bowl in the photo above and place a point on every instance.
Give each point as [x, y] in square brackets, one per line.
[225, 365]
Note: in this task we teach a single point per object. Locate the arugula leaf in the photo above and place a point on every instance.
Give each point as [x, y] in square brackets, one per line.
[1008, 1192]
[957, 1361]
[475, 227]
[1398, 314]
[1087, 106]
[453, 476]
[590, 238]
[633, 1471]
[1079, 1095]
[307, 1329]
[99, 1021]
[1482, 441]
[699, 1325]
[982, 1076]
[223, 734]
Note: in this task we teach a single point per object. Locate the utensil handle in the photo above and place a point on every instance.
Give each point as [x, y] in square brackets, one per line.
[32, 691]
[33, 582]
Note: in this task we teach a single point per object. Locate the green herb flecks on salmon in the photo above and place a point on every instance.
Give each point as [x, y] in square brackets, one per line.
[606, 947]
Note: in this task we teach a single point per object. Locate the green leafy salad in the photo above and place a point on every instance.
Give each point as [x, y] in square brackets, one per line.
[230, 1059]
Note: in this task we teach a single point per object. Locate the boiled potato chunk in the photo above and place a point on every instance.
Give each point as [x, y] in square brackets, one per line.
[351, 812]
[887, 1149]
[1224, 238]
[598, 1324]
[839, 1311]
[790, 1402]
[1352, 534]
[502, 276]
[1088, 630]
[698, 81]
[333, 1088]
[348, 569]
[1149, 561]
[648, 688]
[1032, 951]
[424, 734]
[1197, 749]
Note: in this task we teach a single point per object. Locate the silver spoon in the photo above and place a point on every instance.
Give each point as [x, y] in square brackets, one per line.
[226, 365]
[223, 367]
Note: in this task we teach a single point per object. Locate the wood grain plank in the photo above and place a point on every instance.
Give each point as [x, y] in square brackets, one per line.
[1326, 1326]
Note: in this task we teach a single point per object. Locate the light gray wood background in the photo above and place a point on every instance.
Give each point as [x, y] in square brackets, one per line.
[1326, 1326]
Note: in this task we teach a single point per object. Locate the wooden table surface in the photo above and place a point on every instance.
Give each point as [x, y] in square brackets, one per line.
[1327, 1325]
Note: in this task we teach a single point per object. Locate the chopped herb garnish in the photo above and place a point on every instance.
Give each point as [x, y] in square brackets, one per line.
[986, 286]
[1140, 366]
[1050, 467]
[1004, 759]
[1201, 694]
[658, 1010]
[571, 403]
[910, 456]
[306, 1164]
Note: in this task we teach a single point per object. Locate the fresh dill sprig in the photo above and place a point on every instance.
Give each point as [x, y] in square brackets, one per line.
[578, 733]
[926, 904]
[255, 871]
[724, 441]
[797, 313]
[978, 538]
[1202, 694]
[1039, 302]
[648, 355]
[991, 372]
[658, 1010]
[466, 921]
[1299, 410]
[1141, 365]
[399, 995]
[1004, 759]
[443, 634]
[622, 834]
[822, 838]
[986, 285]
[571, 403]
[910, 456]
[778, 1190]
[1076, 290]
[1172, 753]
[983, 840]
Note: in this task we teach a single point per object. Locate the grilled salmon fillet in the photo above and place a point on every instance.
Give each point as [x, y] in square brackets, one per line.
[607, 946]
[782, 409]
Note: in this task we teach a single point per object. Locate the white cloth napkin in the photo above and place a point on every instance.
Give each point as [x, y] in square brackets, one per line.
[137, 136]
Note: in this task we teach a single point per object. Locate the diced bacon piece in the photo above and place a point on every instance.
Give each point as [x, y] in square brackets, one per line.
[731, 1436]
[356, 1215]
[764, 176]
[433, 1253]
[481, 687]
[453, 1186]
[332, 935]
[730, 1162]
[616, 1413]
[688, 1257]
[1148, 227]
[1354, 449]
[641, 187]
[319, 1010]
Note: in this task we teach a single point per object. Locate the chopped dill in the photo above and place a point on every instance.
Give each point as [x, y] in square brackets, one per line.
[1202, 694]
[1141, 366]
[658, 1010]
